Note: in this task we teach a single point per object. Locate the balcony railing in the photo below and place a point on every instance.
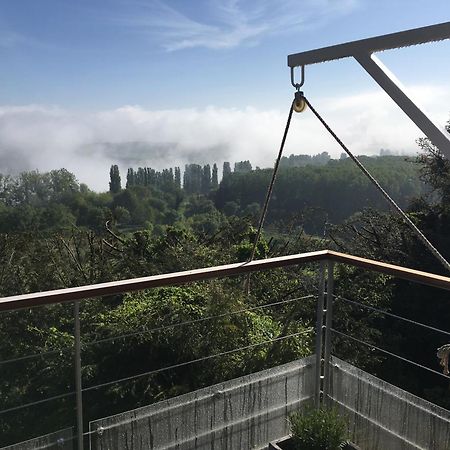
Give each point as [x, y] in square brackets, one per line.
[321, 378]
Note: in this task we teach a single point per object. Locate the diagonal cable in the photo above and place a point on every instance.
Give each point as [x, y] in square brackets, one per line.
[271, 184]
[405, 217]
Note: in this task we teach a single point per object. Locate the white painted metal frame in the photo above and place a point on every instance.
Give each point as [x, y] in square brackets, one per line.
[363, 50]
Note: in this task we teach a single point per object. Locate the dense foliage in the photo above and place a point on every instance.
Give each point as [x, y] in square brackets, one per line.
[318, 429]
[315, 194]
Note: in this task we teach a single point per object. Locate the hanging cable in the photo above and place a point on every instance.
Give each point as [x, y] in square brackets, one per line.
[298, 105]
[271, 184]
[405, 217]
[268, 195]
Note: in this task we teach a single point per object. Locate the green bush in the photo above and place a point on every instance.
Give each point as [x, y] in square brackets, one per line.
[318, 429]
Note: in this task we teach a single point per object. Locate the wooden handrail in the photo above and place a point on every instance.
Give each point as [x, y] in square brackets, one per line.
[170, 279]
[417, 276]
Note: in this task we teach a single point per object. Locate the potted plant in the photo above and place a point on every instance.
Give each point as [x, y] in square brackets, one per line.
[315, 429]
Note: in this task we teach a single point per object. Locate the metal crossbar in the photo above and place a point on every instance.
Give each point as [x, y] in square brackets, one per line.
[423, 35]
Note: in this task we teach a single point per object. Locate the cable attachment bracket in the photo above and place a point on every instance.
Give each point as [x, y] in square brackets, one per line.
[302, 79]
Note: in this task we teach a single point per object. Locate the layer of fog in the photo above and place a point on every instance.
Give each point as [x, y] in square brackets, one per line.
[45, 138]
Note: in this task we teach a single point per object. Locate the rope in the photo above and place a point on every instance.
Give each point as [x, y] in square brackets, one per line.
[405, 217]
[271, 184]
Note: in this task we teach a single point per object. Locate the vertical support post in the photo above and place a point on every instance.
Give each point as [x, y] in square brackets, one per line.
[328, 325]
[78, 387]
[319, 336]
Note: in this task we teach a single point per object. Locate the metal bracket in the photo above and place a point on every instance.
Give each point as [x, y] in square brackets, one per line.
[362, 51]
[302, 80]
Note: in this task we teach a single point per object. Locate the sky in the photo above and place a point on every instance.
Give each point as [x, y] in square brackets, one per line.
[89, 83]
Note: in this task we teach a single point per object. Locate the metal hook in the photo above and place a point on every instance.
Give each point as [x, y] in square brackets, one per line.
[302, 72]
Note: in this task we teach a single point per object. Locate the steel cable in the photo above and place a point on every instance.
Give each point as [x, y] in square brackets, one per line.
[37, 402]
[193, 361]
[395, 316]
[191, 322]
[153, 372]
[152, 330]
[390, 353]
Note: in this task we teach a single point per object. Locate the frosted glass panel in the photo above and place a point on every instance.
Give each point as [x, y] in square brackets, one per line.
[383, 416]
[244, 413]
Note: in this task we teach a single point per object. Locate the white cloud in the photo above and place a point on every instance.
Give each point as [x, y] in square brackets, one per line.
[229, 23]
[45, 138]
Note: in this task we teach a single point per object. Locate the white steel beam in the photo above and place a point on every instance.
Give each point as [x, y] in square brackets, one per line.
[362, 51]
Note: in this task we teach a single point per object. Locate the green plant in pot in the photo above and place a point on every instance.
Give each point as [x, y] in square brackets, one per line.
[318, 429]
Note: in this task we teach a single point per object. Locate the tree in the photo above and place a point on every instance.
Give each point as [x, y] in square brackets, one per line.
[436, 170]
[114, 184]
[242, 167]
[177, 177]
[206, 179]
[215, 177]
[226, 170]
[63, 182]
[130, 178]
[192, 179]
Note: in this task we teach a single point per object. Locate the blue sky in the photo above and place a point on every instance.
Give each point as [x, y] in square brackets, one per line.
[155, 71]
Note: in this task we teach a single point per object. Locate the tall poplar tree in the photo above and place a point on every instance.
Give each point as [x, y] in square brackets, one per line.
[226, 170]
[177, 177]
[130, 178]
[206, 179]
[215, 177]
[114, 175]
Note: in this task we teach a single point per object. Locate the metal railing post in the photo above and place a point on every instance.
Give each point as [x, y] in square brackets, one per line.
[78, 387]
[319, 337]
[328, 325]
